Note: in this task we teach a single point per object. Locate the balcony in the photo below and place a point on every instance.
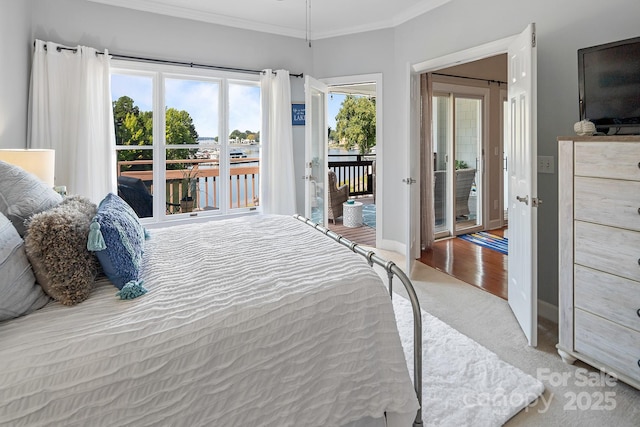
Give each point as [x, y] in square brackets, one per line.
[356, 169]
[203, 175]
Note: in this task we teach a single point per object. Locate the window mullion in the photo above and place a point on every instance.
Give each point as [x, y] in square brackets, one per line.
[224, 145]
[159, 148]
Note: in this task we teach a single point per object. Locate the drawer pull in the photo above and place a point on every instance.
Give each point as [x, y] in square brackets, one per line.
[638, 312]
[638, 210]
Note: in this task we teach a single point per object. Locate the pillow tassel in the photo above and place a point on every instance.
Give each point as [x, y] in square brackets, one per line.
[147, 234]
[133, 289]
[95, 241]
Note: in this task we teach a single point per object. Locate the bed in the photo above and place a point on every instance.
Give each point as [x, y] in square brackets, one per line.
[253, 321]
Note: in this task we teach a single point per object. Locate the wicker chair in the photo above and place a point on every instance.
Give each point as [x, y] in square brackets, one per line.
[337, 196]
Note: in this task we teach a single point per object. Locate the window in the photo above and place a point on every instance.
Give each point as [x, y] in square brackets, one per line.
[187, 140]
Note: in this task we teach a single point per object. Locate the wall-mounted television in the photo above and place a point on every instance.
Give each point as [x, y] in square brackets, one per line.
[609, 86]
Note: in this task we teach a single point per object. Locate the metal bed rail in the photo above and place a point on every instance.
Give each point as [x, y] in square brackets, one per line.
[392, 270]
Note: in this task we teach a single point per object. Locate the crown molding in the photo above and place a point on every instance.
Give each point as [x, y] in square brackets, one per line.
[246, 24]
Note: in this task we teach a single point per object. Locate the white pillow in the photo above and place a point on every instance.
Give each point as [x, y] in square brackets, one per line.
[22, 194]
[19, 292]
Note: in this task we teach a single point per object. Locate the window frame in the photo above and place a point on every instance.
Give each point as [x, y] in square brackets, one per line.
[158, 74]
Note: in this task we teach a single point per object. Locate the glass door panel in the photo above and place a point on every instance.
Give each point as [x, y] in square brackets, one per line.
[468, 163]
[441, 149]
[316, 140]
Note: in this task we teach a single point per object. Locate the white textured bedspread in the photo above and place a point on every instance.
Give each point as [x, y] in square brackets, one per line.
[258, 321]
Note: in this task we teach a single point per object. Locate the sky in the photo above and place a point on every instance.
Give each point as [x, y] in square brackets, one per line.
[199, 98]
[333, 106]
[183, 94]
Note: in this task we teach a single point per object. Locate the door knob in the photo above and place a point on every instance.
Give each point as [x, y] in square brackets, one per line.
[524, 199]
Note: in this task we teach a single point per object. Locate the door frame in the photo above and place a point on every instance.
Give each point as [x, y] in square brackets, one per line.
[377, 79]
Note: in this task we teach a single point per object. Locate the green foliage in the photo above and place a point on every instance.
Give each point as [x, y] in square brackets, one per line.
[135, 128]
[132, 127]
[179, 130]
[247, 134]
[461, 164]
[356, 123]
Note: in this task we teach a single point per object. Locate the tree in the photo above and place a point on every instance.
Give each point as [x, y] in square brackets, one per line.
[135, 128]
[356, 123]
[180, 130]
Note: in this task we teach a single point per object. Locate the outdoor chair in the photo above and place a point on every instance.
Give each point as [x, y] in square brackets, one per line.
[137, 195]
[337, 196]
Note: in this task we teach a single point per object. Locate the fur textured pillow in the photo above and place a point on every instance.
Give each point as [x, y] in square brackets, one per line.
[56, 244]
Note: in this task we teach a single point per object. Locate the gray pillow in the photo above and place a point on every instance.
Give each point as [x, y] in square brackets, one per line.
[19, 292]
[22, 194]
[56, 244]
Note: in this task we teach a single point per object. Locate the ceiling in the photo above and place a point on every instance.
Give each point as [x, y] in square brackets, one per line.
[327, 18]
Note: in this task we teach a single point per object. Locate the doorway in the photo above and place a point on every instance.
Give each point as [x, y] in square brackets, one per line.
[468, 131]
[521, 52]
[362, 171]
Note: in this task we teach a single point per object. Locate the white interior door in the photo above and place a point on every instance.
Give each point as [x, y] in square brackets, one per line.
[522, 171]
[316, 140]
[412, 183]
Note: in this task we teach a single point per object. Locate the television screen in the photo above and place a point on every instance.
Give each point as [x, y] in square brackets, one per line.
[609, 79]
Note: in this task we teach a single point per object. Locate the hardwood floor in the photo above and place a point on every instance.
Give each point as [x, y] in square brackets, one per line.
[363, 235]
[471, 263]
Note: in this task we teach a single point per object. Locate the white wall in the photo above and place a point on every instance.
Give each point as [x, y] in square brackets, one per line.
[15, 62]
[562, 27]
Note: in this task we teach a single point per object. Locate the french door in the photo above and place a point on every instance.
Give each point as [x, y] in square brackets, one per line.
[458, 141]
[316, 140]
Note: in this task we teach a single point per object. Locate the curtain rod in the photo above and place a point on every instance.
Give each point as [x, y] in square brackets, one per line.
[168, 62]
[470, 78]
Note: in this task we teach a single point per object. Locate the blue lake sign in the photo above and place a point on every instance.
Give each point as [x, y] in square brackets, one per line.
[297, 114]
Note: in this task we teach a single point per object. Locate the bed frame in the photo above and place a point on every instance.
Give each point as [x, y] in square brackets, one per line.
[392, 270]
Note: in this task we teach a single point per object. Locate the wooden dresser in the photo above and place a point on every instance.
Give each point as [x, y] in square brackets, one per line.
[599, 237]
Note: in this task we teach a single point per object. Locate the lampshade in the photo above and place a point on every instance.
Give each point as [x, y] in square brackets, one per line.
[40, 162]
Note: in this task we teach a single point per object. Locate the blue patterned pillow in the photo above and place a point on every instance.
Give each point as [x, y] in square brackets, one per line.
[121, 244]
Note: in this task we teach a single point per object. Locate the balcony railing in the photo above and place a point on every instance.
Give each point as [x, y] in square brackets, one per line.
[358, 173]
[244, 180]
[243, 191]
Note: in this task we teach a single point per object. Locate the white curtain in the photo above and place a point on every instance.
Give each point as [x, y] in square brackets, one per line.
[278, 180]
[70, 111]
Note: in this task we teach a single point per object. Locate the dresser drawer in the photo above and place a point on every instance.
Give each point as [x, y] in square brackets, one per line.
[608, 249]
[608, 296]
[608, 202]
[609, 343]
[617, 160]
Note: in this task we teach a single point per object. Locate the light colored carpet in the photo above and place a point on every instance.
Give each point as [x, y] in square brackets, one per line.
[488, 320]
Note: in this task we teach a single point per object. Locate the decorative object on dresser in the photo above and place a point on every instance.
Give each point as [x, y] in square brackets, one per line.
[584, 128]
[599, 282]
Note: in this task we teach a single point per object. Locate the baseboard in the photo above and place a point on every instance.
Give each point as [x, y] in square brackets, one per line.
[494, 224]
[393, 246]
[548, 311]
